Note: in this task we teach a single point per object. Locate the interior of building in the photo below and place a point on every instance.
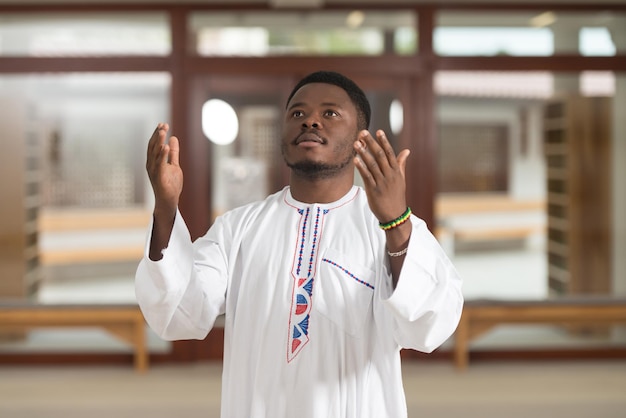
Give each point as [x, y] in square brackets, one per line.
[514, 113]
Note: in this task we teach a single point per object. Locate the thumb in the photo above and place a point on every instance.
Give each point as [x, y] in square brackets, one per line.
[402, 157]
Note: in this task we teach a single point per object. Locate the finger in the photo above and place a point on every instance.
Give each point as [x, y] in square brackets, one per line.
[375, 150]
[366, 160]
[163, 156]
[366, 175]
[390, 155]
[155, 137]
[174, 151]
[157, 140]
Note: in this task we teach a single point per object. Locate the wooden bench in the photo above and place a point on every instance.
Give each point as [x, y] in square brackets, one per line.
[487, 217]
[125, 322]
[479, 316]
[450, 204]
[91, 255]
[497, 232]
[61, 220]
[56, 221]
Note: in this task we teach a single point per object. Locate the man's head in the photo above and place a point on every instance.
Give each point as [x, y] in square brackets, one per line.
[324, 115]
[357, 96]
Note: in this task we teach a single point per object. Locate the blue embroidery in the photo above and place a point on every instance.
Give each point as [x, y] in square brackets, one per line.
[309, 287]
[306, 217]
[332, 263]
[304, 325]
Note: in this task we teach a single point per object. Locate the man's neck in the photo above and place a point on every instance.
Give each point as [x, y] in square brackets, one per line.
[325, 190]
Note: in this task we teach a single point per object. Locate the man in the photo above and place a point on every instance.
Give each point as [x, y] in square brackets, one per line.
[321, 284]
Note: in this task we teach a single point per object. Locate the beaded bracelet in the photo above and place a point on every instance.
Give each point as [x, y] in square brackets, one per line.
[396, 222]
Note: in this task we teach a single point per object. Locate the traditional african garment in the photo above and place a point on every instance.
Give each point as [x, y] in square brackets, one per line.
[312, 325]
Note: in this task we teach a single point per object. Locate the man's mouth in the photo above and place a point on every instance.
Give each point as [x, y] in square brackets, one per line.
[309, 137]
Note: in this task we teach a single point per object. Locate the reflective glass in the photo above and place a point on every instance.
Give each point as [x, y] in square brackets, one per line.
[304, 33]
[596, 41]
[538, 33]
[84, 34]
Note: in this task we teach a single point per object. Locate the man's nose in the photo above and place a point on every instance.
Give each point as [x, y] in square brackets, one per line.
[311, 121]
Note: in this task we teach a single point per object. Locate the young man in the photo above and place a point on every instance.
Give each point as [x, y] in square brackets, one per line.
[321, 283]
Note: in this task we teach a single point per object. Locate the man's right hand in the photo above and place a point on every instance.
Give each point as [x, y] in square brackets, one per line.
[164, 170]
[166, 177]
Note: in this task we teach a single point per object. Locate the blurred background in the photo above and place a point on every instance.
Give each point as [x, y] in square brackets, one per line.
[514, 112]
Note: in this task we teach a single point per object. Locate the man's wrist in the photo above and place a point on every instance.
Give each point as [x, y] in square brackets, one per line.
[398, 238]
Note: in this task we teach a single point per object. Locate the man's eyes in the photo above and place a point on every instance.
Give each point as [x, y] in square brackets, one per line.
[299, 113]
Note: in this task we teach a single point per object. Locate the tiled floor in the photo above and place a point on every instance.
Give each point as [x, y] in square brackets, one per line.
[433, 389]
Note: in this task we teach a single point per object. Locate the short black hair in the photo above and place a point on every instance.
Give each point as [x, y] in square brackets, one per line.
[357, 96]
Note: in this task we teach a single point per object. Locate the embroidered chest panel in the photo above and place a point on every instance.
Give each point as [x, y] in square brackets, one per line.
[303, 277]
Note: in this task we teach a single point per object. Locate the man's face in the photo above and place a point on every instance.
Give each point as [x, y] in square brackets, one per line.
[319, 131]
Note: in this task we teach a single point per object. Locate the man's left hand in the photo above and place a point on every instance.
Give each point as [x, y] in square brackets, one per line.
[383, 174]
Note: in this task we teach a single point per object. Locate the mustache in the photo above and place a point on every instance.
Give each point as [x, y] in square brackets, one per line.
[309, 135]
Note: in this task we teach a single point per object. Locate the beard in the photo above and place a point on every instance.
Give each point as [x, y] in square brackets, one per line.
[313, 170]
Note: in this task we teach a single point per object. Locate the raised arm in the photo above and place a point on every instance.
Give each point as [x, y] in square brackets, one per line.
[166, 178]
[384, 179]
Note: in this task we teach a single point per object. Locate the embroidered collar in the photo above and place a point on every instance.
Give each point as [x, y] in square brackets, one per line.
[348, 197]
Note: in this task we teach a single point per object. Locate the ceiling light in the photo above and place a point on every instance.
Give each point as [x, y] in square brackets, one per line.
[355, 19]
[542, 20]
[298, 4]
[219, 122]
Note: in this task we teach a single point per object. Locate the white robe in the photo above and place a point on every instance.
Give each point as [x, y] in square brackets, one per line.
[313, 327]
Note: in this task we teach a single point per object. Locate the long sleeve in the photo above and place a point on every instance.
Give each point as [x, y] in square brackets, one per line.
[182, 294]
[427, 302]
